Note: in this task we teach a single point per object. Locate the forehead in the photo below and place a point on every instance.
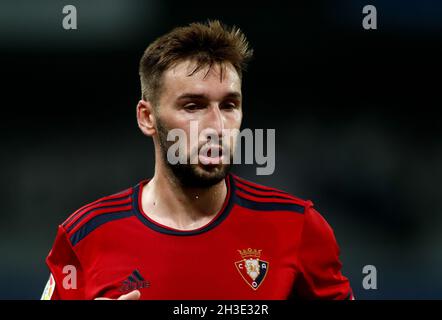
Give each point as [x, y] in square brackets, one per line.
[179, 79]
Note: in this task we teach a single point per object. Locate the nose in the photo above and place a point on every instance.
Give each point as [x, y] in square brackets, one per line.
[215, 120]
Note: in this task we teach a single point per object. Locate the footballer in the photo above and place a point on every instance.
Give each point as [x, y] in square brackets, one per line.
[194, 230]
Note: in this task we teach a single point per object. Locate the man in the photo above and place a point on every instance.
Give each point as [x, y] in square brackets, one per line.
[194, 231]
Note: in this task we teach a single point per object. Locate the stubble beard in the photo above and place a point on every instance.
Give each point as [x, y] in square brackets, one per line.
[187, 174]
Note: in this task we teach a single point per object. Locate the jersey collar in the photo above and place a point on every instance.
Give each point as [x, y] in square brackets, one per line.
[220, 217]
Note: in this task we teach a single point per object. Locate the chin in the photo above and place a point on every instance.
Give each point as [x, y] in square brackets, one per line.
[214, 173]
[200, 176]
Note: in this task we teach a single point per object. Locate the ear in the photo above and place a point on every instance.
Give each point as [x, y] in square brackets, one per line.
[146, 118]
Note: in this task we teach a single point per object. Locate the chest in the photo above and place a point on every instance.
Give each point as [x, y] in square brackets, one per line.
[214, 265]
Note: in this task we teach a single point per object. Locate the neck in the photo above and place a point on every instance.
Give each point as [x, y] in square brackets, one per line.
[167, 202]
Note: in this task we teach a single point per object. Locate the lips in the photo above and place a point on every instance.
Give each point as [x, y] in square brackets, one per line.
[210, 155]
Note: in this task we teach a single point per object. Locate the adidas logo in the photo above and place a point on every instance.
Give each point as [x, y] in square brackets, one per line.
[133, 282]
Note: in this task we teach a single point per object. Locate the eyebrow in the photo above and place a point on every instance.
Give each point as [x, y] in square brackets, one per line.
[231, 95]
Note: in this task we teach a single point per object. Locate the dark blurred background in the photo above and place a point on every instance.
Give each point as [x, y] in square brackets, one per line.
[355, 113]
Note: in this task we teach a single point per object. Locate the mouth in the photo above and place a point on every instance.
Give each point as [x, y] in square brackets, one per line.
[210, 155]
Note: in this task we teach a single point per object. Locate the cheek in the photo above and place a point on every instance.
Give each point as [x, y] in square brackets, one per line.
[233, 120]
[233, 125]
[179, 128]
[176, 122]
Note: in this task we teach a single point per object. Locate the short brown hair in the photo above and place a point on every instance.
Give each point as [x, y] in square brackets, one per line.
[205, 43]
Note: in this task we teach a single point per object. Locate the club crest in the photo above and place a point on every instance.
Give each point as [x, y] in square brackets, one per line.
[252, 269]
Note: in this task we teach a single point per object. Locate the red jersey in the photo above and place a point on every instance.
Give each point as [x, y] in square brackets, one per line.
[263, 244]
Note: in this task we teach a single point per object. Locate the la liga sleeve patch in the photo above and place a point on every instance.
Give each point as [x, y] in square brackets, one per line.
[49, 289]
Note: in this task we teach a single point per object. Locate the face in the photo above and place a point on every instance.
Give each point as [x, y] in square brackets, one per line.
[208, 102]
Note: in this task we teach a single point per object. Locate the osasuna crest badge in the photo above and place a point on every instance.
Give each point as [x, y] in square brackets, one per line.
[251, 268]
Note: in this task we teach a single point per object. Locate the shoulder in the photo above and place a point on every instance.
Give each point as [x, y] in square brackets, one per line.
[95, 214]
[258, 197]
[263, 198]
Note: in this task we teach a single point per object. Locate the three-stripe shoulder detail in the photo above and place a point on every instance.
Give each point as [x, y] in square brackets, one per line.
[103, 210]
[262, 198]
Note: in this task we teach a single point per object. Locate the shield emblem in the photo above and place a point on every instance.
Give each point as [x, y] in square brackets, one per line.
[253, 271]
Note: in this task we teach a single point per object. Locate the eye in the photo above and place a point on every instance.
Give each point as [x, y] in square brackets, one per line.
[229, 106]
[193, 107]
